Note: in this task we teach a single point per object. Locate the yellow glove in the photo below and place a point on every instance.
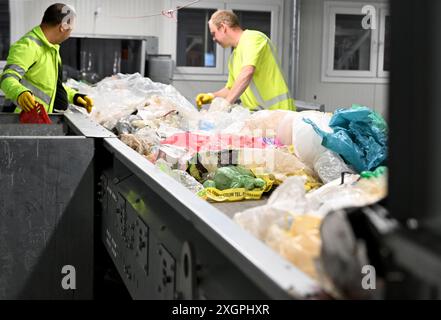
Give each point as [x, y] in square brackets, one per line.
[26, 101]
[204, 98]
[84, 101]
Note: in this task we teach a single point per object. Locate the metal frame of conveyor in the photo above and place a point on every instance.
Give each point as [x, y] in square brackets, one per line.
[168, 244]
[47, 207]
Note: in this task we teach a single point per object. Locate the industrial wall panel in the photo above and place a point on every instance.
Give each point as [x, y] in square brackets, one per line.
[46, 218]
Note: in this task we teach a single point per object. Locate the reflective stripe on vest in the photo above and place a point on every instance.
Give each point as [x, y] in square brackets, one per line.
[277, 99]
[37, 92]
[16, 68]
[9, 75]
[256, 93]
[267, 104]
[37, 41]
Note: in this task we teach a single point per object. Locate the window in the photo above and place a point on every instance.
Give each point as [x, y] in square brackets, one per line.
[197, 55]
[352, 45]
[384, 59]
[352, 53]
[4, 29]
[264, 18]
[195, 47]
[196, 52]
[255, 20]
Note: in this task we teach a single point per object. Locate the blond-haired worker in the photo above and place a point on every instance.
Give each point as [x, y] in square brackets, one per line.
[254, 73]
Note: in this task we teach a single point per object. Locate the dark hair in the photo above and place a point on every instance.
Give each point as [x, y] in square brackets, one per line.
[54, 14]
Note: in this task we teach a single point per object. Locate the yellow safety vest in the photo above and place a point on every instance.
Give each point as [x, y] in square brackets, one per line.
[32, 65]
[268, 88]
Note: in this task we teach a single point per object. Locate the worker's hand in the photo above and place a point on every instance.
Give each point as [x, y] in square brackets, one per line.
[26, 101]
[204, 98]
[84, 101]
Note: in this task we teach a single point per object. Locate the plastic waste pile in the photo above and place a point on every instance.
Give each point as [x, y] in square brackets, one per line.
[290, 221]
[121, 95]
[221, 117]
[359, 135]
[159, 123]
[313, 162]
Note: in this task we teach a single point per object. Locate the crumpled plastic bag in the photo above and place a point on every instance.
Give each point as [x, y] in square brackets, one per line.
[181, 176]
[294, 131]
[161, 111]
[223, 120]
[141, 144]
[264, 123]
[123, 94]
[289, 223]
[359, 136]
[283, 225]
[163, 126]
[127, 125]
[329, 166]
[234, 177]
[288, 197]
[198, 142]
[297, 238]
[354, 192]
[220, 105]
[307, 145]
[273, 161]
[188, 181]
[176, 157]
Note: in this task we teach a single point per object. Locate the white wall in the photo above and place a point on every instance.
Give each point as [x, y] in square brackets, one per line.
[311, 88]
[108, 21]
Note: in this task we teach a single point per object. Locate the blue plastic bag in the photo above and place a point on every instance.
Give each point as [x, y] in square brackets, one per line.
[360, 137]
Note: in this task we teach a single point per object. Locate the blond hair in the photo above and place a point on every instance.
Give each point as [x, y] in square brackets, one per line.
[225, 16]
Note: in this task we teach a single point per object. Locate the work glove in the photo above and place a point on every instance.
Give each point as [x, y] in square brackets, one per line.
[26, 101]
[84, 101]
[204, 98]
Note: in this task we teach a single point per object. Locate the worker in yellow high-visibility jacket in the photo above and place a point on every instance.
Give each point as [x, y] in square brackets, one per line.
[33, 72]
[254, 72]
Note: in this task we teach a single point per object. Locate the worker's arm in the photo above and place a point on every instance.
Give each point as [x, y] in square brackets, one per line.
[70, 93]
[231, 95]
[204, 98]
[241, 84]
[21, 56]
[222, 93]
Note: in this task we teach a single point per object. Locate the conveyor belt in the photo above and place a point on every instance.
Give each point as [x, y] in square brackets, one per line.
[231, 208]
